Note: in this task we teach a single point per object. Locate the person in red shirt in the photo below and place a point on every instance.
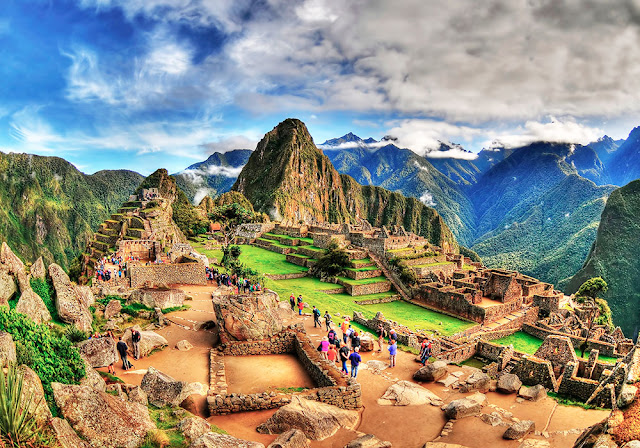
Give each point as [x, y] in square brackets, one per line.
[332, 354]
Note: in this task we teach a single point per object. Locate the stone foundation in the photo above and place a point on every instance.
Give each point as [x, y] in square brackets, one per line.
[167, 274]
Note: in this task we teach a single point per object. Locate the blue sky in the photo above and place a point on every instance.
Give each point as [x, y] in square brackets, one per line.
[142, 84]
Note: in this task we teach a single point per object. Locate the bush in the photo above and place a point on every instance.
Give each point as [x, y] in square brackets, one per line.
[17, 423]
[75, 334]
[52, 357]
[334, 261]
[46, 292]
[406, 273]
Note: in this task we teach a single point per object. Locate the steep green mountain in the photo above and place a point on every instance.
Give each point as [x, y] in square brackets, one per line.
[49, 208]
[214, 176]
[614, 257]
[550, 236]
[406, 172]
[289, 178]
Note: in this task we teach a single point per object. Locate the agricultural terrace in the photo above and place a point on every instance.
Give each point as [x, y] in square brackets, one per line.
[319, 294]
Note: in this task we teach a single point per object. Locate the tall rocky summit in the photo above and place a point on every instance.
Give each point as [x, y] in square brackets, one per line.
[290, 179]
[614, 257]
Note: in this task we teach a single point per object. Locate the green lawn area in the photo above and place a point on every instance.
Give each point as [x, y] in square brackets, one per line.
[361, 261]
[287, 237]
[365, 281]
[405, 313]
[526, 343]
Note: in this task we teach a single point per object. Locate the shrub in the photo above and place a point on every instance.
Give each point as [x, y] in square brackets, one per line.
[156, 438]
[52, 357]
[334, 261]
[45, 290]
[17, 423]
[75, 334]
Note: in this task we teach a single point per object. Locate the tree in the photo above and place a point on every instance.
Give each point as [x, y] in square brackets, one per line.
[597, 309]
[334, 261]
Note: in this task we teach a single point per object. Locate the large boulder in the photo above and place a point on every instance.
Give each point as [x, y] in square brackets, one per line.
[406, 393]
[214, 440]
[31, 305]
[519, 429]
[70, 301]
[249, 317]
[317, 420]
[7, 349]
[627, 395]
[194, 427]
[149, 340]
[366, 343]
[509, 383]
[163, 390]
[85, 295]
[158, 298]
[32, 387]
[7, 285]
[478, 380]
[65, 435]
[99, 352]
[14, 265]
[38, 269]
[432, 372]
[462, 407]
[368, 441]
[112, 309]
[294, 438]
[92, 378]
[534, 393]
[103, 420]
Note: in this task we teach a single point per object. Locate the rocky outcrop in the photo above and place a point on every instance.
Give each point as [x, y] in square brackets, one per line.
[92, 378]
[149, 341]
[184, 345]
[462, 407]
[406, 393]
[627, 395]
[103, 420]
[368, 441]
[32, 387]
[214, 440]
[98, 352]
[294, 438]
[534, 393]
[31, 305]
[85, 295]
[38, 269]
[112, 309]
[158, 298]
[509, 384]
[519, 429]
[194, 427]
[478, 380]
[317, 420]
[7, 349]
[7, 286]
[65, 435]
[163, 390]
[431, 372]
[71, 302]
[250, 317]
[14, 265]
[136, 394]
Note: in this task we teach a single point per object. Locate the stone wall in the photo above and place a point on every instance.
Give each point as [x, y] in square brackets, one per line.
[370, 288]
[322, 240]
[575, 387]
[361, 275]
[253, 230]
[449, 299]
[405, 335]
[276, 345]
[489, 350]
[547, 304]
[167, 274]
[377, 301]
[445, 269]
[297, 259]
[286, 276]
[460, 353]
[603, 348]
[532, 371]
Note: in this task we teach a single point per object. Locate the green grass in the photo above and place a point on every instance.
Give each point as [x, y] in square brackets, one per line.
[365, 281]
[441, 263]
[361, 261]
[368, 268]
[314, 248]
[569, 402]
[526, 343]
[110, 377]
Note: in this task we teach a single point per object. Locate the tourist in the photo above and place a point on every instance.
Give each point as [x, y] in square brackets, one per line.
[332, 336]
[393, 336]
[292, 301]
[122, 348]
[135, 339]
[332, 354]
[355, 359]
[380, 333]
[300, 307]
[355, 340]
[425, 351]
[349, 336]
[299, 299]
[344, 357]
[327, 320]
[316, 318]
[393, 350]
[324, 348]
[343, 327]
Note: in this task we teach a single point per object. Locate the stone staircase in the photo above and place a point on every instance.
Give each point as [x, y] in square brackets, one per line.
[397, 284]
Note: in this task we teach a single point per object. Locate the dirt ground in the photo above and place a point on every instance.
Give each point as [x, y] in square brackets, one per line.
[403, 426]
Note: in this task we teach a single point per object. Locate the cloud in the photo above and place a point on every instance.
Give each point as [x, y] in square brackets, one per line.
[554, 130]
[427, 199]
[225, 144]
[455, 152]
[349, 145]
[425, 137]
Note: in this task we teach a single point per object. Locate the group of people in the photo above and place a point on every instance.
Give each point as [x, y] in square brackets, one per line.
[237, 283]
[123, 349]
[104, 275]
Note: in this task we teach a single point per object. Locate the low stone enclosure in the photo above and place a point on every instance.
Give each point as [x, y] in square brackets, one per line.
[332, 388]
[167, 274]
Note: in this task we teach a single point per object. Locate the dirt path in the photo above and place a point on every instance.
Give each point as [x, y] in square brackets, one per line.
[403, 426]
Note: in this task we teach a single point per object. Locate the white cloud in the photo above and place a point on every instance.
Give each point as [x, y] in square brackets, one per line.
[426, 136]
[427, 199]
[554, 130]
[455, 152]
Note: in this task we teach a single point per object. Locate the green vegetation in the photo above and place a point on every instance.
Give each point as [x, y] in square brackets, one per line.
[74, 334]
[108, 377]
[291, 390]
[52, 357]
[365, 281]
[334, 261]
[564, 401]
[45, 290]
[167, 433]
[187, 217]
[17, 422]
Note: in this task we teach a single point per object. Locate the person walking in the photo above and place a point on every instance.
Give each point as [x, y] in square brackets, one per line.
[355, 359]
[300, 308]
[332, 354]
[292, 301]
[316, 318]
[355, 341]
[344, 357]
[343, 327]
[380, 333]
[393, 351]
[349, 338]
[393, 336]
[425, 351]
[122, 348]
[135, 340]
[324, 348]
[327, 320]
